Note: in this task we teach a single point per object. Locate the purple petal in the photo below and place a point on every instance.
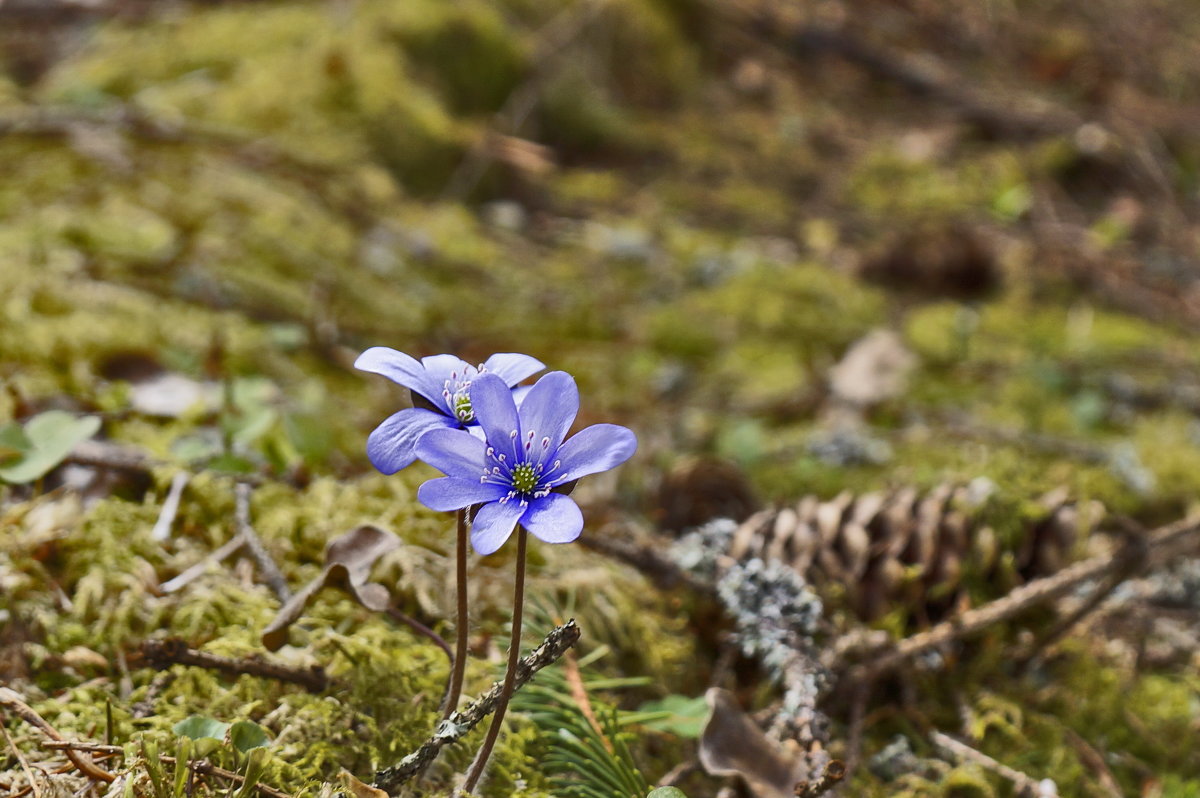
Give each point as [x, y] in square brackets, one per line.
[493, 524]
[440, 367]
[549, 410]
[553, 519]
[512, 367]
[592, 450]
[454, 452]
[392, 446]
[400, 368]
[449, 493]
[496, 412]
[519, 393]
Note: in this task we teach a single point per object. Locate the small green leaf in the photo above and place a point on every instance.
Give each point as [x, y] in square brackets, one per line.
[51, 435]
[667, 792]
[198, 727]
[246, 734]
[255, 763]
[13, 442]
[685, 716]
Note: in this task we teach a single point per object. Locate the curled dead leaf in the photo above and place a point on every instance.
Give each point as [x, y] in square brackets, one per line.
[357, 788]
[733, 745]
[348, 562]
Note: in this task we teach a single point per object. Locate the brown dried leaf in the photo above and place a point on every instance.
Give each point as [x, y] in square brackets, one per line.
[359, 789]
[348, 563]
[733, 745]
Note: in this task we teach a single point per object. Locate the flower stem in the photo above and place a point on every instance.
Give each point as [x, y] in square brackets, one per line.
[459, 667]
[510, 675]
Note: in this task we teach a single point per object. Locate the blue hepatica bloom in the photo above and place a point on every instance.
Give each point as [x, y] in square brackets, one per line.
[444, 381]
[513, 474]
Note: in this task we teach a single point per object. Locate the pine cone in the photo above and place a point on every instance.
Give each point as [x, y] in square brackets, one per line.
[907, 548]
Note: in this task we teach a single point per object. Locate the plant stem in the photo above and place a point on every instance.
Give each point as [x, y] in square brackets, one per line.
[510, 675]
[459, 666]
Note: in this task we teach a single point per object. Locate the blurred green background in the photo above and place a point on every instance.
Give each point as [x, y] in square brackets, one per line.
[208, 209]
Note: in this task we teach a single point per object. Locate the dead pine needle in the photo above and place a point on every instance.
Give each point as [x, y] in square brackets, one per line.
[33, 784]
[13, 702]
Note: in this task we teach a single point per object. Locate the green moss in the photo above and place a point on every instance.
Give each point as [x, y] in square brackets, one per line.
[468, 50]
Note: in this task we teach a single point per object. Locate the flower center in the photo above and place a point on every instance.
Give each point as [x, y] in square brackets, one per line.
[524, 478]
[462, 407]
[457, 393]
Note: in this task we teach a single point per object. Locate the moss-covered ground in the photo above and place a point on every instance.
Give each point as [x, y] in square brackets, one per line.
[692, 213]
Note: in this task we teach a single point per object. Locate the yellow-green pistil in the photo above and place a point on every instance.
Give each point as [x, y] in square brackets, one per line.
[524, 478]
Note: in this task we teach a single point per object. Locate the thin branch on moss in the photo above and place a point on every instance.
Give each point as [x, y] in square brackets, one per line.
[1025, 784]
[459, 724]
[266, 565]
[421, 629]
[1160, 545]
[12, 701]
[162, 654]
[227, 550]
[166, 518]
[145, 708]
[1089, 756]
[79, 745]
[1129, 561]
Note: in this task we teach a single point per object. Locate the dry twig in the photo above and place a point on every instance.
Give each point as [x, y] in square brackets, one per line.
[145, 707]
[1160, 544]
[266, 565]
[162, 527]
[1025, 784]
[162, 654]
[198, 570]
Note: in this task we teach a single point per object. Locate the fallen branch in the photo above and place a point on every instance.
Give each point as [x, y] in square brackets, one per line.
[1025, 785]
[161, 654]
[460, 723]
[1160, 545]
[13, 702]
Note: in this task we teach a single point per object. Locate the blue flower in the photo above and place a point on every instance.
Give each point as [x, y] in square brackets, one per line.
[513, 474]
[440, 386]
